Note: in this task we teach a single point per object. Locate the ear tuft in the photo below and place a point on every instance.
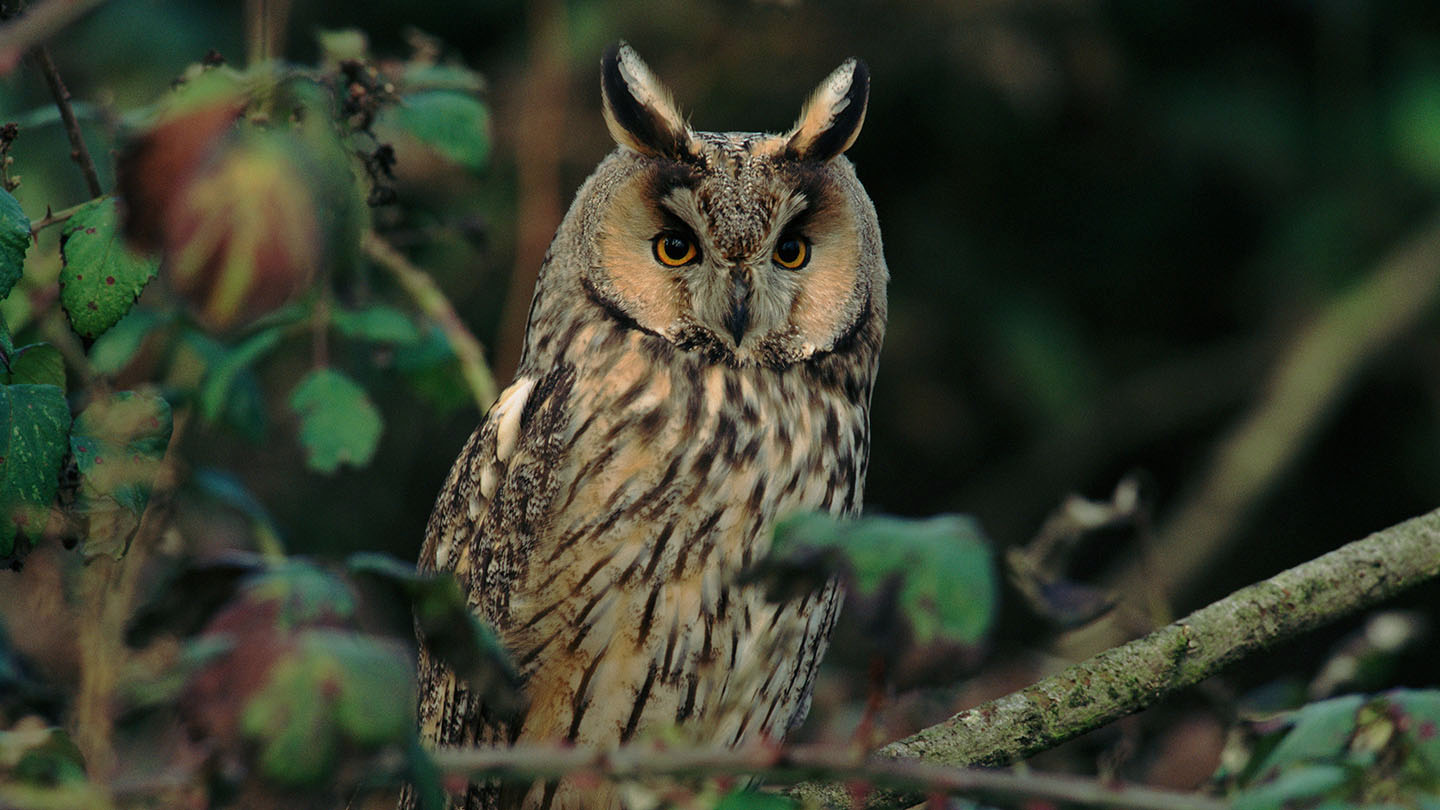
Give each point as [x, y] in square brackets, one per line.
[638, 109]
[832, 118]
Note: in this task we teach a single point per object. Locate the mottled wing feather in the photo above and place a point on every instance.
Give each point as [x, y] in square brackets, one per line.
[494, 501]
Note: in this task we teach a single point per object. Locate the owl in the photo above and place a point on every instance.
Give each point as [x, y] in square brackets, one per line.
[698, 363]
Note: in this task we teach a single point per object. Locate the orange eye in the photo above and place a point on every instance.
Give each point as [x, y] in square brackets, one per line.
[792, 253]
[674, 250]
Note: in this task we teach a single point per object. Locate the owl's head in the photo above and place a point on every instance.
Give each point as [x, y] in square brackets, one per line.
[753, 248]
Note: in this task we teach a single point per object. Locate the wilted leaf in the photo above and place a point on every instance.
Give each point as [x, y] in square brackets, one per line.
[119, 443]
[338, 422]
[34, 421]
[947, 586]
[378, 323]
[37, 364]
[450, 630]
[14, 241]
[101, 277]
[455, 125]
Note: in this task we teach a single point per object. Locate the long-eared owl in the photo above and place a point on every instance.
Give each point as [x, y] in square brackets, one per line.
[698, 363]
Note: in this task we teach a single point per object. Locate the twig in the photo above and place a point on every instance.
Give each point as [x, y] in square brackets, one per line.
[37, 25]
[1126, 679]
[793, 764]
[432, 301]
[78, 151]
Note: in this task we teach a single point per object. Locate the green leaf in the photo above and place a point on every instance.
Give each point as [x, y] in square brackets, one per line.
[215, 392]
[37, 364]
[744, 799]
[101, 277]
[118, 443]
[378, 323]
[34, 420]
[7, 345]
[456, 125]
[1422, 719]
[113, 351]
[1320, 731]
[948, 584]
[14, 242]
[338, 422]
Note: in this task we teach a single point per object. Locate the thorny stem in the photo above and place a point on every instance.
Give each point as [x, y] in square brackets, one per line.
[54, 218]
[797, 763]
[78, 151]
[432, 301]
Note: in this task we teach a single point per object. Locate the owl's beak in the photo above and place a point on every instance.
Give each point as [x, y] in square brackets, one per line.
[737, 320]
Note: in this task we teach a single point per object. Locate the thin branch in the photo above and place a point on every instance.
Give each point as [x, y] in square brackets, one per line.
[36, 25]
[1126, 679]
[78, 151]
[54, 218]
[796, 763]
[432, 301]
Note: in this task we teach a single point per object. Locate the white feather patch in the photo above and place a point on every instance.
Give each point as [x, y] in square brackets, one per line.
[507, 417]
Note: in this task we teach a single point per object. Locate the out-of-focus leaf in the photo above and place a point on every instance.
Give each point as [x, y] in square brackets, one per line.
[338, 422]
[948, 585]
[306, 593]
[339, 45]
[215, 393]
[7, 344]
[1420, 710]
[41, 756]
[450, 630]
[419, 76]
[101, 277]
[118, 442]
[334, 687]
[114, 350]
[433, 371]
[14, 242]
[742, 799]
[190, 126]
[1295, 784]
[37, 364]
[378, 323]
[188, 594]
[34, 422]
[245, 235]
[455, 125]
[1415, 123]
[1319, 731]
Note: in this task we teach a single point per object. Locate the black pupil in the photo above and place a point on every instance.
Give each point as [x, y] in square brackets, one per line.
[789, 251]
[675, 247]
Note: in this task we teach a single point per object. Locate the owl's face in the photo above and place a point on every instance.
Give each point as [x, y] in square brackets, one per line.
[755, 249]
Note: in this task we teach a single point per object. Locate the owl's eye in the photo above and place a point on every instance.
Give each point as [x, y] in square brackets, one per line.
[674, 250]
[792, 253]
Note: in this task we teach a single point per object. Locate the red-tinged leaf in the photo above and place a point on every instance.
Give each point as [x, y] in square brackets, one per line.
[246, 235]
[157, 166]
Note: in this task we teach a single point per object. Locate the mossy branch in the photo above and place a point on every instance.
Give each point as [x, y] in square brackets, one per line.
[1126, 679]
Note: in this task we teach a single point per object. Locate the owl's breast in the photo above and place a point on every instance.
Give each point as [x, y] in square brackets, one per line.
[673, 477]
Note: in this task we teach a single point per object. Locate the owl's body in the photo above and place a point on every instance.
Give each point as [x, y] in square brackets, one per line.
[684, 384]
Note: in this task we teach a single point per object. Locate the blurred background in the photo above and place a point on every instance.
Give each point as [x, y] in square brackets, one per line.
[1194, 242]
